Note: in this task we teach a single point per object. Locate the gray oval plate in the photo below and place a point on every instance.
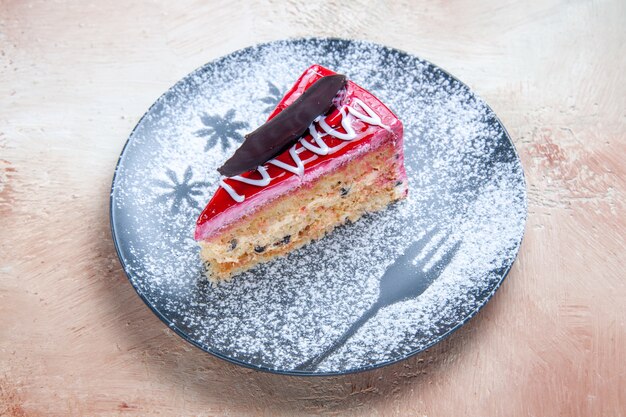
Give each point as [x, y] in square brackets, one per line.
[369, 294]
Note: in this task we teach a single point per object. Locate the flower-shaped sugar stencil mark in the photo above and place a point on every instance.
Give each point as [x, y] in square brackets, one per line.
[221, 129]
[176, 193]
[273, 97]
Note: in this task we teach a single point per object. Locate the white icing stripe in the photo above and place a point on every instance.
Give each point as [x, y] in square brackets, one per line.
[231, 192]
[298, 169]
[264, 181]
[320, 147]
[373, 118]
[345, 123]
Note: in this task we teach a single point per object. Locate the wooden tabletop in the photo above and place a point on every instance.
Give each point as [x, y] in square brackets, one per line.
[76, 340]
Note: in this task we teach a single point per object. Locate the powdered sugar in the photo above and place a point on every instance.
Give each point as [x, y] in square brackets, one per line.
[464, 179]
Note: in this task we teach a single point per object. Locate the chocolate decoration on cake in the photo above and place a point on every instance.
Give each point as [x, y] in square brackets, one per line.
[273, 137]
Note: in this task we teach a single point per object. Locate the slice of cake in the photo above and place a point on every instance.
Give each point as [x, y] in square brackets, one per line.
[305, 174]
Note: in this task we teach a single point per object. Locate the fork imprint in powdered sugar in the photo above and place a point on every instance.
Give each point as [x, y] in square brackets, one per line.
[408, 277]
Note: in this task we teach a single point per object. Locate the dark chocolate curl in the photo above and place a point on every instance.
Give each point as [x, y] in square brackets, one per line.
[285, 128]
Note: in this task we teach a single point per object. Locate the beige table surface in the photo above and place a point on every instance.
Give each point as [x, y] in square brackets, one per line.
[75, 339]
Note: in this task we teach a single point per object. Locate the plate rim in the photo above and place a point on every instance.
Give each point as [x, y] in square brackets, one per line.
[171, 325]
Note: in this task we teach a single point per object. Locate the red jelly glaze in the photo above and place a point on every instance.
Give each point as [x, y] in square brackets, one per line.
[222, 201]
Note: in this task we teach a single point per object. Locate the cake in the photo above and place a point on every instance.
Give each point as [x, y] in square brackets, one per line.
[302, 174]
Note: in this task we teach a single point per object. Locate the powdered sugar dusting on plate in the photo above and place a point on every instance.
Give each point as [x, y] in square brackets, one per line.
[465, 179]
